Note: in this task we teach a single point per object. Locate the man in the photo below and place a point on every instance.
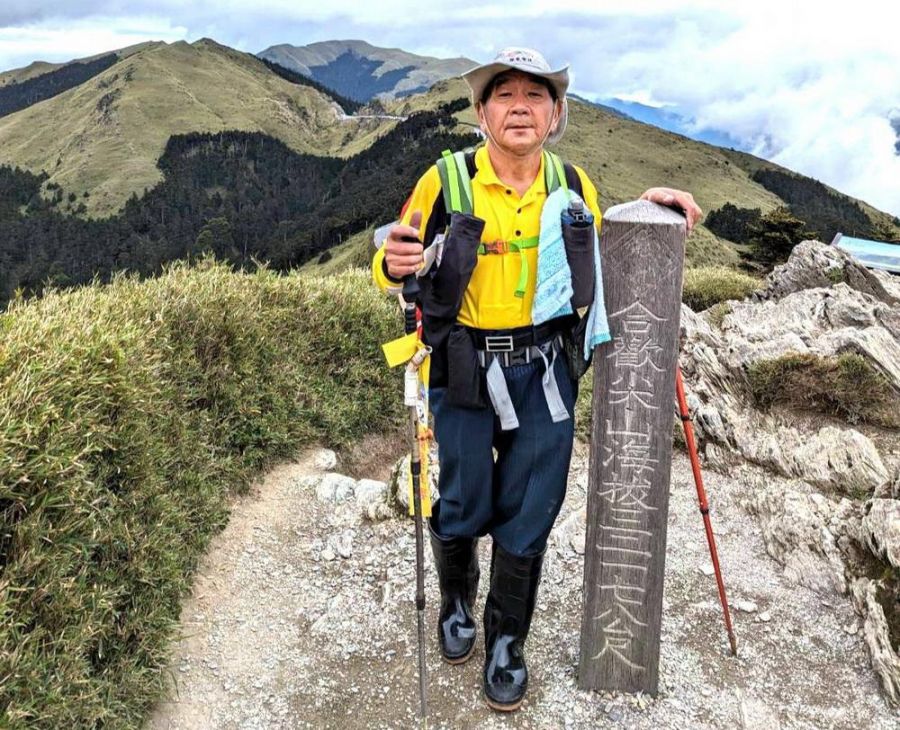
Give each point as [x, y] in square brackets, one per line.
[521, 106]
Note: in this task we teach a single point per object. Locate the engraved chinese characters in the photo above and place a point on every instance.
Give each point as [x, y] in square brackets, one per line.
[634, 383]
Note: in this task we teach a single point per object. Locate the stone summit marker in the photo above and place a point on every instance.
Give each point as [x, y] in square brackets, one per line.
[642, 247]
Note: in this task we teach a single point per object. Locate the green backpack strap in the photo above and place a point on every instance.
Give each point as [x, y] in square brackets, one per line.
[554, 172]
[455, 182]
[456, 185]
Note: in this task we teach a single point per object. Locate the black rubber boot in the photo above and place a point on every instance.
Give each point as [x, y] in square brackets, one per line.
[456, 559]
[507, 618]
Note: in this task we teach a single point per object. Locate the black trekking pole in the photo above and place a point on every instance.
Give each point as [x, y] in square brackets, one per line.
[410, 297]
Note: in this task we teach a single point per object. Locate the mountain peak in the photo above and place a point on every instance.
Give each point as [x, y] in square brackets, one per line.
[361, 71]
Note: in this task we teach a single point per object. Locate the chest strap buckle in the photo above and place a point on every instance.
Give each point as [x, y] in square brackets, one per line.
[498, 246]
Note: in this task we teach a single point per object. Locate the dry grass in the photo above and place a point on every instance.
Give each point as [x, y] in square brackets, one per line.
[846, 386]
[706, 286]
[128, 415]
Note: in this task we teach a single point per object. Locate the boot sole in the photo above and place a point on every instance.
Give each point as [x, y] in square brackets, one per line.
[461, 659]
[503, 708]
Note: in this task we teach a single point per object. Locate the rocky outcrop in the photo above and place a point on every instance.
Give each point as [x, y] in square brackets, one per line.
[813, 265]
[784, 318]
[801, 531]
[880, 528]
[839, 519]
[824, 321]
[885, 660]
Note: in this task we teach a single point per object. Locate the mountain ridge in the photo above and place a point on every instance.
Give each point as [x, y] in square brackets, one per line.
[383, 73]
[38, 68]
[101, 142]
[106, 135]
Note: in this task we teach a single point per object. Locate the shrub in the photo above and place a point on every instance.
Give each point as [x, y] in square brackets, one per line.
[773, 238]
[735, 224]
[128, 415]
[845, 385]
[717, 313]
[705, 286]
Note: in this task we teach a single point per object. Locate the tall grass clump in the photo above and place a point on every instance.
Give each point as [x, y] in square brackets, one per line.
[705, 286]
[128, 415]
[845, 385]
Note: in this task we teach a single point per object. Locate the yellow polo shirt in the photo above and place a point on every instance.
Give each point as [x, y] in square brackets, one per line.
[489, 301]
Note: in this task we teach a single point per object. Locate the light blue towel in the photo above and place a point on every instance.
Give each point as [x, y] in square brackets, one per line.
[597, 326]
[553, 290]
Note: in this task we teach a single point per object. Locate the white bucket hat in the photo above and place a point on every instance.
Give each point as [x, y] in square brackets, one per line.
[531, 62]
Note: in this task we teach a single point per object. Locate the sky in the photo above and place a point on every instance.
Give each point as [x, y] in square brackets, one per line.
[812, 86]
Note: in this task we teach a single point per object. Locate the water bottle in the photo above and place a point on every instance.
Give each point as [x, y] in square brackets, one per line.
[578, 237]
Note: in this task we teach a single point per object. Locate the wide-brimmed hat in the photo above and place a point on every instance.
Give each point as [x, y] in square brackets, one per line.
[531, 62]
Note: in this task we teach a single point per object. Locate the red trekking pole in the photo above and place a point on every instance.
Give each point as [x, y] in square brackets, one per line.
[704, 505]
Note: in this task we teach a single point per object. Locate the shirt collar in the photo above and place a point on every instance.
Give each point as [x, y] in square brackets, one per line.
[486, 176]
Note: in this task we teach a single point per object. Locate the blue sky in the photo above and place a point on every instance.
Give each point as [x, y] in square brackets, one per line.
[810, 85]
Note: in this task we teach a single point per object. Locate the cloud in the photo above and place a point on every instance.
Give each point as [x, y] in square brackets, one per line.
[21, 45]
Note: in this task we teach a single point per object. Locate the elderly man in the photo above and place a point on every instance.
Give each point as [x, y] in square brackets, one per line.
[516, 495]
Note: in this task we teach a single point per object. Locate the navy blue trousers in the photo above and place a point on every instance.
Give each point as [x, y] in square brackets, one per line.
[517, 497]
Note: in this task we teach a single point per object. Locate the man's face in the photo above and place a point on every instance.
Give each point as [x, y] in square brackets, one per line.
[519, 113]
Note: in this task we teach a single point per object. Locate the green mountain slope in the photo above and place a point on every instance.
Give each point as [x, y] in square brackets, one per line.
[106, 135]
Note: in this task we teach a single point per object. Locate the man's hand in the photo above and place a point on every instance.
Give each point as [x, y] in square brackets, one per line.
[404, 257]
[677, 199]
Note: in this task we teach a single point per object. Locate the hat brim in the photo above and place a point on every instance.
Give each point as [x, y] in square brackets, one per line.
[479, 77]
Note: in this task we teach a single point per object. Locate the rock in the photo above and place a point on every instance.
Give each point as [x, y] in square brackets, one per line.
[745, 606]
[334, 487]
[372, 499]
[800, 532]
[571, 531]
[398, 486]
[765, 617]
[885, 660]
[881, 528]
[840, 459]
[756, 714]
[325, 460]
[819, 321]
[813, 264]
[800, 310]
[343, 544]
[327, 554]
[707, 569]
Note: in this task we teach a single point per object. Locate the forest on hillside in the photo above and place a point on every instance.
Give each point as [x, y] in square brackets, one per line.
[244, 196]
[810, 210]
[247, 198]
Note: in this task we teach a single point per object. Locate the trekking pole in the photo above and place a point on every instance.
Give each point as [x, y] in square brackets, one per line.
[410, 296]
[704, 505]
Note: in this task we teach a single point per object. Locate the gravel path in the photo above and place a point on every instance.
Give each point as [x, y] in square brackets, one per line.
[302, 616]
